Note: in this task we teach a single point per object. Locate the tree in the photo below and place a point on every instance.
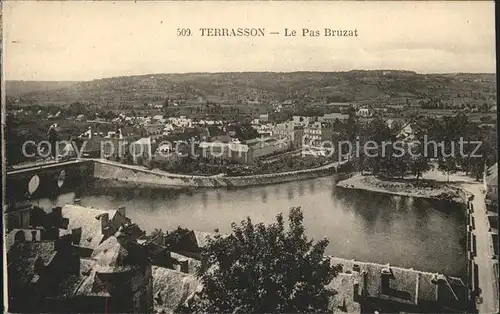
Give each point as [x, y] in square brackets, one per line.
[377, 159]
[448, 165]
[173, 238]
[264, 269]
[53, 137]
[420, 164]
[352, 124]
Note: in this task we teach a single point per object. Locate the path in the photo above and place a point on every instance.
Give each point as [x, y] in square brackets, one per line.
[484, 257]
[176, 175]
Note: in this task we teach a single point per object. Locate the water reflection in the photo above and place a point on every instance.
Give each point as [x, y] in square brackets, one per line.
[204, 198]
[359, 224]
[311, 186]
[264, 196]
[277, 190]
[290, 192]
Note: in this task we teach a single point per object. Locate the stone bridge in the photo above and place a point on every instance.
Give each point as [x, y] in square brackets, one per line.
[52, 178]
[47, 178]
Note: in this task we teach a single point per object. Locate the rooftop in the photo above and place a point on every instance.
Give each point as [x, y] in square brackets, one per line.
[172, 288]
[10, 238]
[406, 285]
[117, 254]
[22, 259]
[492, 175]
[89, 220]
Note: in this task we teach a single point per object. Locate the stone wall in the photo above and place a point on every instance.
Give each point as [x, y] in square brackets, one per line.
[131, 175]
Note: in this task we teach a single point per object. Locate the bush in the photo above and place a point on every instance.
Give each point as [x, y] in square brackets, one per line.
[264, 269]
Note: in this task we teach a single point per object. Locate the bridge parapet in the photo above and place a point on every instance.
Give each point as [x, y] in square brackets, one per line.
[40, 179]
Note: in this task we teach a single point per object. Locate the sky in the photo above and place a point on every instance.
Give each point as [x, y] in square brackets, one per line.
[85, 40]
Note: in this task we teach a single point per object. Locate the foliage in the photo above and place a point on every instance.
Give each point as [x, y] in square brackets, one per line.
[448, 140]
[246, 132]
[172, 238]
[264, 269]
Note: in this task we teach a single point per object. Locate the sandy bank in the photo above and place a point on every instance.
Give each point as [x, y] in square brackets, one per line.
[413, 188]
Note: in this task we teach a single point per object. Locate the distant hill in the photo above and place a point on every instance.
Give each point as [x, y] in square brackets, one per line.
[19, 88]
[263, 86]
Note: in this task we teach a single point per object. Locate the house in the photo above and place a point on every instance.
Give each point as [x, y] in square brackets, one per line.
[284, 129]
[490, 182]
[389, 289]
[47, 274]
[259, 148]
[364, 113]
[141, 149]
[389, 123]
[277, 107]
[244, 153]
[18, 216]
[408, 135]
[172, 289]
[298, 137]
[264, 130]
[333, 117]
[215, 151]
[37, 271]
[164, 149]
[264, 117]
[215, 133]
[255, 122]
[26, 216]
[90, 226]
[115, 147]
[318, 132]
[120, 280]
[301, 120]
[240, 153]
[407, 132]
[154, 130]
[193, 242]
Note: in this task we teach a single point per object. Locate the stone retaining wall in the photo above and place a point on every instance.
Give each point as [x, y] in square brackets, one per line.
[141, 176]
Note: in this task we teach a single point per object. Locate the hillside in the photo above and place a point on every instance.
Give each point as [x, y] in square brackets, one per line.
[263, 86]
[19, 88]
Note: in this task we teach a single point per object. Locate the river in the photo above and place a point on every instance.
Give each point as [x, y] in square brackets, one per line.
[402, 231]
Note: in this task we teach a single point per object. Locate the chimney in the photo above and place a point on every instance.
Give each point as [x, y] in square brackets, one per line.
[123, 211]
[184, 266]
[57, 216]
[33, 235]
[76, 235]
[104, 224]
[163, 240]
[19, 236]
[63, 243]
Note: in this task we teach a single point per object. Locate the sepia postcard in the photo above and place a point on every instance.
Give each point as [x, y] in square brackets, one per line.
[249, 157]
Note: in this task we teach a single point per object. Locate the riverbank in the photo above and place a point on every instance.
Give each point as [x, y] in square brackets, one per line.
[117, 173]
[411, 188]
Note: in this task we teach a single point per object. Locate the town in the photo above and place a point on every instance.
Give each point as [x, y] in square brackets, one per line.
[216, 145]
[305, 157]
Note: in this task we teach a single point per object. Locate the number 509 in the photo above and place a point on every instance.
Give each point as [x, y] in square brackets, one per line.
[183, 32]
